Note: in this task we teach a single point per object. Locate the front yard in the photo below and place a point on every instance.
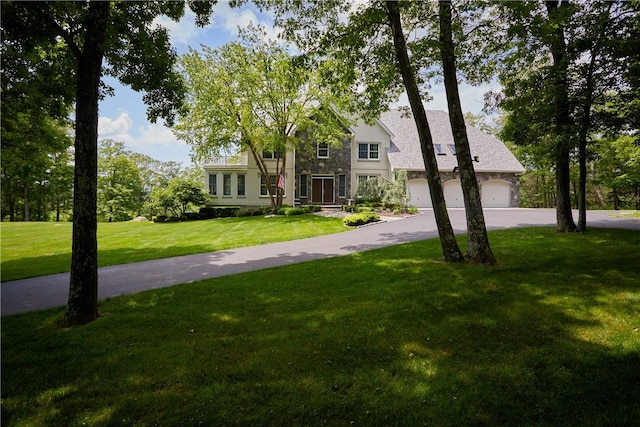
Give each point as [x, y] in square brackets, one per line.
[550, 336]
[39, 248]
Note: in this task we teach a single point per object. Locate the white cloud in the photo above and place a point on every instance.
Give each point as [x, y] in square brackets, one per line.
[107, 127]
[152, 139]
[183, 31]
[231, 19]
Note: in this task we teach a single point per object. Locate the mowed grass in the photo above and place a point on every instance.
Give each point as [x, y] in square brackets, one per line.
[38, 248]
[388, 337]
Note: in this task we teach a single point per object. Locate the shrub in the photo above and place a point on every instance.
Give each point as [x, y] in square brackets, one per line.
[361, 219]
[349, 208]
[288, 211]
[207, 213]
[160, 218]
[360, 209]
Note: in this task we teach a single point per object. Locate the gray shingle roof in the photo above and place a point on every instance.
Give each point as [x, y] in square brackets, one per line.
[405, 150]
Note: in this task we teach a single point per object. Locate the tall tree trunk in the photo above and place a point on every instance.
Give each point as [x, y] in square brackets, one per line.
[82, 305]
[478, 248]
[564, 216]
[264, 172]
[450, 248]
[27, 205]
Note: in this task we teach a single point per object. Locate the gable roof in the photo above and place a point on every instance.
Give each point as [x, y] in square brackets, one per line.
[405, 152]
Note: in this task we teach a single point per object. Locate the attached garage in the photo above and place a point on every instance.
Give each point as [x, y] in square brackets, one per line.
[419, 193]
[453, 194]
[496, 194]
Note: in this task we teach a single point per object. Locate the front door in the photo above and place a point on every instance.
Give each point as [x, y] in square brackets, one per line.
[322, 189]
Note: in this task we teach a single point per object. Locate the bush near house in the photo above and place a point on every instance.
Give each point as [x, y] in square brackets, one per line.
[361, 219]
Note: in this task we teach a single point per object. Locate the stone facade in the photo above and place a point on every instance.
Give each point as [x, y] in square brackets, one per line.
[337, 163]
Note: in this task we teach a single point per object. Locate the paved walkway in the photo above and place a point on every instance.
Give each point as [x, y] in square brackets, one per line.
[50, 291]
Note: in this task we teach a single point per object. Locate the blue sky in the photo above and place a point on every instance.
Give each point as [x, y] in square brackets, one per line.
[123, 115]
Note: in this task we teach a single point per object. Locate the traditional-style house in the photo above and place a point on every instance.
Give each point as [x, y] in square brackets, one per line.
[329, 175]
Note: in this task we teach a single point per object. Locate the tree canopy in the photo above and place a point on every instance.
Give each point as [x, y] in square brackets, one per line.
[255, 97]
[138, 53]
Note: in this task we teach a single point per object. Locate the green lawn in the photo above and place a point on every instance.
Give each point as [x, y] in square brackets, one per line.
[39, 248]
[550, 336]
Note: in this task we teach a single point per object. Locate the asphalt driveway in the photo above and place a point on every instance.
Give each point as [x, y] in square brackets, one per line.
[50, 291]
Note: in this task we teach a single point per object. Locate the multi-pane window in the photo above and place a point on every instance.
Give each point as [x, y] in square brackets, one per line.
[241, 184]
[323, 150]
[213, 185]
[226, 185]
[272, 154]
[368, 151]
[342, 186]
[365, 178]
[439, 149]
[302, 191]
[264, 191]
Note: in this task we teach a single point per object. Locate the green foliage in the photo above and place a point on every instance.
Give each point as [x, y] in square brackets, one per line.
[383, 337]
[361, 218]
[120, 185]
[255, 97]
[289, 211]
[180, 195]
[392, 193]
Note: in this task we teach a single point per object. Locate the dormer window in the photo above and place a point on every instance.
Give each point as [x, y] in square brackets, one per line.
[323, 150]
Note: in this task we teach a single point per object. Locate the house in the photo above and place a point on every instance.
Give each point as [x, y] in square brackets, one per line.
[329, 175]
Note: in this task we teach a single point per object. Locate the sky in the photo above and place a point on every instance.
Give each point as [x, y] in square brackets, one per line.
[122, 117]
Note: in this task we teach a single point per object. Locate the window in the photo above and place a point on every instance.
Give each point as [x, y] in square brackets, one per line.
[368, 151]
[302, 191]
[439, 150]
[263, 187]
[342, 186]
[323, 150]
[452, 148]
[272, 154]
[241, 185]
[226, 185]
[213, 185]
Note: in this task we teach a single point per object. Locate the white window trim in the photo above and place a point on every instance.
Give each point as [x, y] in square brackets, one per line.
[325, 148]
[369, 151]
[273, 184]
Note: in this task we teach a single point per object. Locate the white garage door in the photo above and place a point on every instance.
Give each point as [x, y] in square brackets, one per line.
[419, 193]
[453, 194]
[496, 194]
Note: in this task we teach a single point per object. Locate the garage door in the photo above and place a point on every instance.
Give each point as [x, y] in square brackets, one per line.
[419, 193]
[496, 194]
[453, 194]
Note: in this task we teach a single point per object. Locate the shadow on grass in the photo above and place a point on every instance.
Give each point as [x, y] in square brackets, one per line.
[388, 337]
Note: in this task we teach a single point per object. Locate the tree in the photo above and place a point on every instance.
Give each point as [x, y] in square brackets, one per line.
[450, 248]
[564, 58]
[137, 53]
[478, 248]
[120, 185]
[153, 173]
[178, 195]
[364, 53]
[36, 102]
[255, 97]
